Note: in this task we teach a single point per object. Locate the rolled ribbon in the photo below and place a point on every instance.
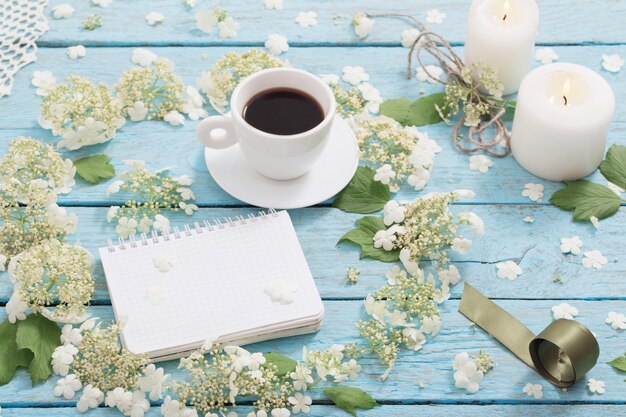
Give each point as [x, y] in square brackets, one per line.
[562, 353]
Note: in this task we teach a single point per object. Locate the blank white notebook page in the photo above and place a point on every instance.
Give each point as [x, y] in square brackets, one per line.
[215, 286]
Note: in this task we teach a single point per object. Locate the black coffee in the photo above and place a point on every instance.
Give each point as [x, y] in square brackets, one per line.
[283, 111]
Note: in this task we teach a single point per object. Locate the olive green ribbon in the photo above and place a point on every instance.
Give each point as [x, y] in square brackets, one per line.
[562, 353]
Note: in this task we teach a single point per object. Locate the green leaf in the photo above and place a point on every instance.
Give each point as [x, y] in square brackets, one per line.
[420, 112]
[94, 168]
[614, 166]
[350, 398]
[363, 235]
[41, 336]
[363, 194]
[284, 364]
[619, 363]
[587, 199]
[509, 112]
[11, 357]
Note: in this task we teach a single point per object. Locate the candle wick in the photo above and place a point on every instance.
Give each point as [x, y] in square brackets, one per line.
[504, 18]
[565, 100]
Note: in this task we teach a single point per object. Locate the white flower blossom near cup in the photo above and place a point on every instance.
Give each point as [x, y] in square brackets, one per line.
[76, 52]
[393, 213]
[594, 259]
[63, 11]
[143, 57]
[102, 3]
[612, 63]
[435, 16]
[617, 321]
[450, 276]
[425, 74]
[354, 75]
[154, 18]
[67, 387]
[273, 4]
[174, 118]
[44, 81]
[533, 191]
[228, 28]
[564, 311]
[372, 96]
[546, 55]
[467, 375]
[480, 163]
[409, 37]
[163, 263]
[472, 219]
[571, 245]
[533, 390]
[280, 290]
[384, 174]
[91, 397]
[596, 386]
[306, 19]
[508, 270]
[276, 44]
[461, 246]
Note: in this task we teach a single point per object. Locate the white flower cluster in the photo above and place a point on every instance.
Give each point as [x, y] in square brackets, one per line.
[467, 376]
[362, 25]
[207, 20]
[153, 193]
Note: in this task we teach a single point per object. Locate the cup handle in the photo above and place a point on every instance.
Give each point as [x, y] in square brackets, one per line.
[206, 128]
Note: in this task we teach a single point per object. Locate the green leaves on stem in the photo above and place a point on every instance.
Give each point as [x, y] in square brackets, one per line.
[421, 112]
[587, 199]
[363, 194]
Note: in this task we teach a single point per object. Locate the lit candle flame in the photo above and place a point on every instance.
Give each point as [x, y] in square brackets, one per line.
[505, 9]
[567, 85]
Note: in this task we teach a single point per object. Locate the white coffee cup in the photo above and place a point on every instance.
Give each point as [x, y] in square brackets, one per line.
[279, 157]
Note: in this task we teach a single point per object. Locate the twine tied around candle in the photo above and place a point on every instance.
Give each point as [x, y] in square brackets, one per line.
[498, 143]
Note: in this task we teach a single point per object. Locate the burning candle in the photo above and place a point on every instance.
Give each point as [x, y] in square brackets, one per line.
[501, 34]
[562, 121]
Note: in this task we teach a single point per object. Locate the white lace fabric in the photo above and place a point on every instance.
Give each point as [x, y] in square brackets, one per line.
[22, 22]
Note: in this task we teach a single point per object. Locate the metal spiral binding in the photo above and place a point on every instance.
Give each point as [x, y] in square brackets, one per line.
[175, 233]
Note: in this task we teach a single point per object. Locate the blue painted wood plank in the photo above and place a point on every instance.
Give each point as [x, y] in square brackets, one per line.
[507, 237]
[432, 365]
[163, 145]
[572, 22]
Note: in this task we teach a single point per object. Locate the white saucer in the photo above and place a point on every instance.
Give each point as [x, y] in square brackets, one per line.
[331, 174]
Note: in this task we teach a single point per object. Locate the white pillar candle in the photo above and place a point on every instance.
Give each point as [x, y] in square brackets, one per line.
[561, 121]
[501, 34]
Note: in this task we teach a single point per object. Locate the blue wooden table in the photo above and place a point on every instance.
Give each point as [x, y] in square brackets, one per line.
[580, 31]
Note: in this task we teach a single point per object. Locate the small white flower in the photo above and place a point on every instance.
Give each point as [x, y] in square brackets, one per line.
[362, 25]
[435, 16]
[62, 358]
[186, 193]
[63, 11]
[612, 63]
[102, 3]
[300, 403]
[450, 276]
[533, 390]
[372, 95]
[410, 265]
[16, 307]
[143, 57]
[442, 294]
[282, 291]
[596, 386]
[461, 246]
[280, 412]
[480, 163]
[306, 19]
[564, 311]
[533, 191]
[161, 223]
[508, 270]
[183, 180]
[467, 375]
[276, 44]
[301, 377]
[67, 387]
[154, 18]
[330, 78]
[472, 219]
[414, 339]
[138, 112]
[429, 72]
[113, 188]
[189, 209]
[419, 178]
[546, 55]
[126, 227]
[615, 188]
[153, 381]
[273, 4]
[393, 213]
[463, 193]
[44, 81]
[385, 174]
[92, 397]
[228, 28]
[594, 259]
[170, 408]
[163, 263]
[174, 118]
[376, 309]
[354, 75]
[409, 37]
[431, 325]
[75, 52]
[616, 320]
[206, 20]
[529, 219]
[595, 222]
[384, 239]
[571, 245]
[119, 398]
[71, 335]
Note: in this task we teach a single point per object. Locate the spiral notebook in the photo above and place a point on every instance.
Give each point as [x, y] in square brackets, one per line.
[219, 280]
